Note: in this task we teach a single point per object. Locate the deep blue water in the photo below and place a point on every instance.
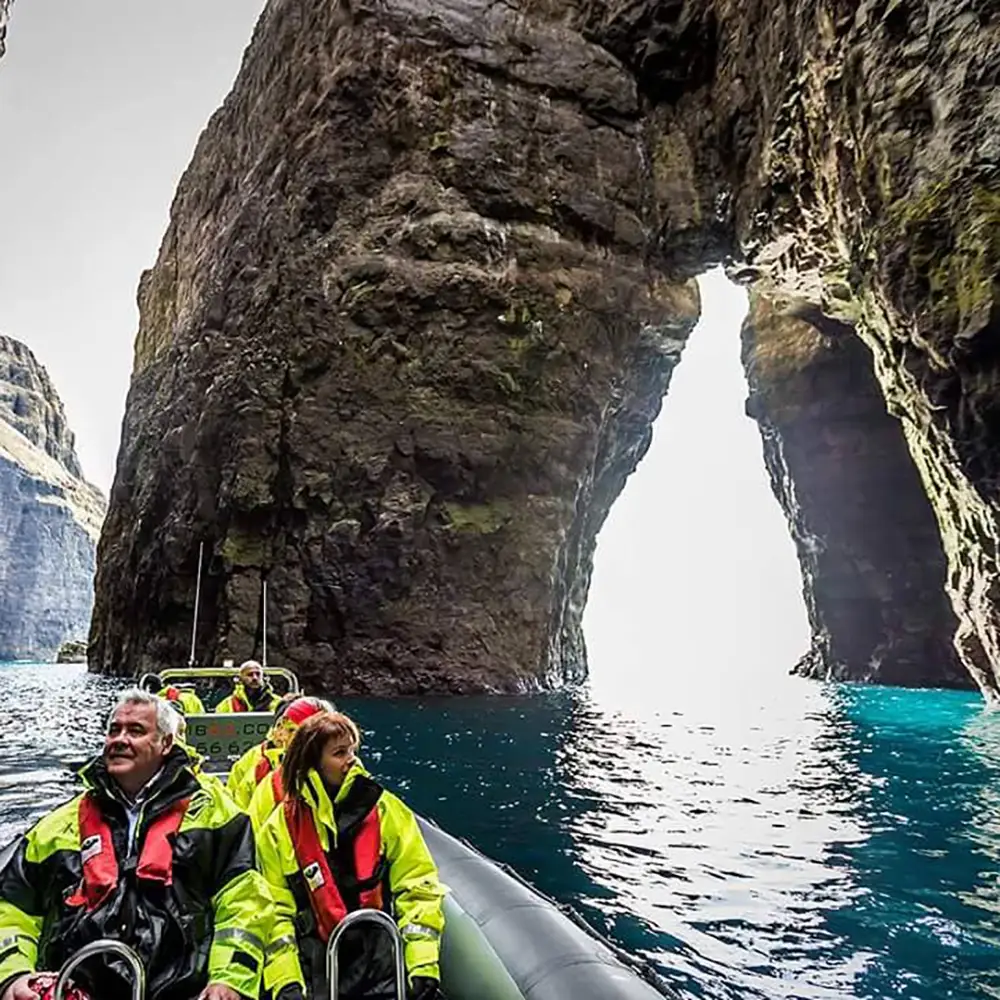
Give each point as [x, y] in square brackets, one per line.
[774, 839]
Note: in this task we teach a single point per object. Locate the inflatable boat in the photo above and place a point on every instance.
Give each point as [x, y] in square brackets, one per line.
[503, 940]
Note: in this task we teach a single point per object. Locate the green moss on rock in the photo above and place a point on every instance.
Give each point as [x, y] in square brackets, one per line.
[244, 548]
[479, 518]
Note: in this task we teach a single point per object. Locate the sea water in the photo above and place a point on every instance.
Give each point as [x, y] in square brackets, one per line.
[777, 840]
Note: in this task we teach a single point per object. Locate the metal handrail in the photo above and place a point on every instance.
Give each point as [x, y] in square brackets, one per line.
[180, 673]
[384, 922]
[95, 948]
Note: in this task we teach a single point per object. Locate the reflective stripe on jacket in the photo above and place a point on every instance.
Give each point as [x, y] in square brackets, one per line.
[417, 895]
[209, 924]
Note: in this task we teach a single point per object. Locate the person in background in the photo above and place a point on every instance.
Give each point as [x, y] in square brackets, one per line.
[339, 842]
[183, 699]
[150, 854]
[252, 692]
[264, 759]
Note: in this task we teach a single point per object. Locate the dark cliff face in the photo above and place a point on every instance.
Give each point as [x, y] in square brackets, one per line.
[872, 564]
[49, 516]
[424, 285]
[399, 353]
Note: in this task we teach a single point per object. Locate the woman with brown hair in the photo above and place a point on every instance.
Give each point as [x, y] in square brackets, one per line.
[340, 842]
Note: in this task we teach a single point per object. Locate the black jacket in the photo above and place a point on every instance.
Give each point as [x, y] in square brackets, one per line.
[183, 938]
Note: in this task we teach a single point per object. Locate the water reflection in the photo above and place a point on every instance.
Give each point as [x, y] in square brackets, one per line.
[485, 769]
[723, 814]
[52, 718]
[775, 840]
[932, 850]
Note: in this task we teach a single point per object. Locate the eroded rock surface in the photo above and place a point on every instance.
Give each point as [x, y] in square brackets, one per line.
[50, 518]
[424, 284]
[873, 567]
[399, 352]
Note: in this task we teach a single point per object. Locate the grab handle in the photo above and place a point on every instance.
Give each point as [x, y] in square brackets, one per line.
[381, 921]
[96, 948]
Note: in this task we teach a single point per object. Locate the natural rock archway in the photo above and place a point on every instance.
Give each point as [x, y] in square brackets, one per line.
[428, 274]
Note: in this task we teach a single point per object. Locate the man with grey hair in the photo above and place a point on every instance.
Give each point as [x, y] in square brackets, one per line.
[151, 853]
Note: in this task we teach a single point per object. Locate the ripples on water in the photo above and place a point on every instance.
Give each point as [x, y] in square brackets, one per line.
[778, 840]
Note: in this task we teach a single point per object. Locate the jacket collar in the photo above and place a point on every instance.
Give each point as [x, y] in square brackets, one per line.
[174, 779]
[318, 798]
[263, 698]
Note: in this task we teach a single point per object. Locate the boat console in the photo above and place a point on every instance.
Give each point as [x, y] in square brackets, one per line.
[224, 737]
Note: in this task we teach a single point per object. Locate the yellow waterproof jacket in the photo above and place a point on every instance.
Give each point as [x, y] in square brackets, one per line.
[416, 892]
[240, 701]
[188, 701]
[209, 925]
[242, 780]
[262, 803]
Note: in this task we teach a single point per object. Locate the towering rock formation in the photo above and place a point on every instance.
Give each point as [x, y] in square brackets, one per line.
[425, 281]
[50, 517]
[872, 564]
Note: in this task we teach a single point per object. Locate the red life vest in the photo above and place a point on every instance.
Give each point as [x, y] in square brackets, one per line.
[172, 694]
[277, 786]
[97, 849]
[263, 768]
[327, 903]
[239, 705]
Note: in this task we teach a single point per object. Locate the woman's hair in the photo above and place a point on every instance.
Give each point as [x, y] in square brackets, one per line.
[306, 748]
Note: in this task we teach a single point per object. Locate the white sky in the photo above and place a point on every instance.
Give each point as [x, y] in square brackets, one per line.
[101, 103]
[695, 567]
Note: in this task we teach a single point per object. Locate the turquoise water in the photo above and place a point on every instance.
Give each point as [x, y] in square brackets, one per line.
[778, 839]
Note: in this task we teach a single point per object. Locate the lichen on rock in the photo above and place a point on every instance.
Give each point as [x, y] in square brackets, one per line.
[399, 353]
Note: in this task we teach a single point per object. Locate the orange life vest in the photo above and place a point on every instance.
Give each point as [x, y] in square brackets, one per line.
[172, 694]
[97, 850]
[327, 903]
[239, 705]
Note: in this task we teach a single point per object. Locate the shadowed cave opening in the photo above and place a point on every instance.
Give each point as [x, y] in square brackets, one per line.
[696, 579]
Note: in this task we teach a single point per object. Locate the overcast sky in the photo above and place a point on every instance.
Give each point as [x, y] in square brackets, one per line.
[101, 103]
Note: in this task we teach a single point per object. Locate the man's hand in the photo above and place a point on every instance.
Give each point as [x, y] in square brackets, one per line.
[217, 991]
[29, 986]
[424, 988]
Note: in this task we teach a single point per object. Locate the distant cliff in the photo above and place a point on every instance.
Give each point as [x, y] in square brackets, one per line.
[50, 517]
